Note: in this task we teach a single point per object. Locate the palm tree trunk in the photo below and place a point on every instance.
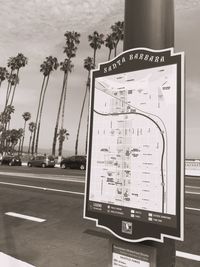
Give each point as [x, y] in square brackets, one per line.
[60, 147]
[7, 91]
[37, 138]
[6, 144]
[79, 124]
[12, 148]
[63, 116]
[58, 116]
[109, 54]
[8, 94]
[2, 144]
[19, 147]
[40, 115]
[86, 139]
[14, 89]
[94, 57]
[64, 104]
[23, 138]
[8, 125]
[116, 48]
[38, 110]
[29, 146]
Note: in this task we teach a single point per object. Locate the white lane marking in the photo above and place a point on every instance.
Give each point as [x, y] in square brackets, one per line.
[36, 176]
[43, 188]
[8, 261]
[26, 217]
[187, 256]
[189, 186]
[189, 208]
[65, 191]
[192, 193]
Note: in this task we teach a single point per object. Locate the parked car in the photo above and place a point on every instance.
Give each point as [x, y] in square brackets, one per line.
[41, 161]
[74, 162]
[11, 160]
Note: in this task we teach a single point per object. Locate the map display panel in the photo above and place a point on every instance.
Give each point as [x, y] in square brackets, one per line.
[135, 161]
[133, 140]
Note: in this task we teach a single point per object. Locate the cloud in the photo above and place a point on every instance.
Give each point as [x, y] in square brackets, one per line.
[43, 19]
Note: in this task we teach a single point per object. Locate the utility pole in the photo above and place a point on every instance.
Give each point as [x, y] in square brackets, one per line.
[150, 24]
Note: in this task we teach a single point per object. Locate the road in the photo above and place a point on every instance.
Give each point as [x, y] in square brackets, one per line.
[63, 238]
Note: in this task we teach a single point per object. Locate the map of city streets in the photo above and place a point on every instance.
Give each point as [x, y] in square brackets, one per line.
[133, 156]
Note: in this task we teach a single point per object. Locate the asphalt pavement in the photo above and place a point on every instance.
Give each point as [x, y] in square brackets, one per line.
[63, 238]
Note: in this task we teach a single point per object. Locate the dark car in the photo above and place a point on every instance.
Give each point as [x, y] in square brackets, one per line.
[41, 161]
[74, 162]
[11, 161]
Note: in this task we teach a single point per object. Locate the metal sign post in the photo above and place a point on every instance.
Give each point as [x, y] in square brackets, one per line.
[149, 23]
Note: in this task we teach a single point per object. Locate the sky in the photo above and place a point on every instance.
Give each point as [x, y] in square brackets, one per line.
[36, 28]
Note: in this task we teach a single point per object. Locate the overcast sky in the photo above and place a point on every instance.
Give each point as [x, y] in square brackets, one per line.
[36, 28]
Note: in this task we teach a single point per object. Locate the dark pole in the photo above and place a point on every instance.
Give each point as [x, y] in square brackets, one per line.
[150, 24]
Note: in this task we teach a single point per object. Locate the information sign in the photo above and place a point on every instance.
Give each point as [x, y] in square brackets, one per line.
[135, 167]
[133, 256]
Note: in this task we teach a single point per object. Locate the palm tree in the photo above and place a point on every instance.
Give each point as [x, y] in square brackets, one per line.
[95, 41]
[3, 74]
[16, 63]
[7, 115]
[62, 135]
[5, 118]
[31, 129]
[109, 42]
[5, 137]
[43, 70]
[20, 134]
[88, 65]
[14, 138]
[13, 80]
[26, 116]
[72, 39]
[49, 65]
[117, 33]
[66, 66]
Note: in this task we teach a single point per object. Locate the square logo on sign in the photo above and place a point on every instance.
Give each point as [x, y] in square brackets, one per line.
[127, 227]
